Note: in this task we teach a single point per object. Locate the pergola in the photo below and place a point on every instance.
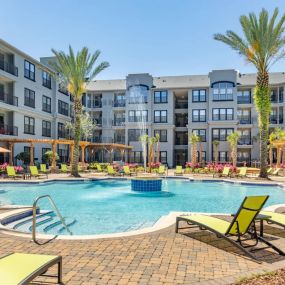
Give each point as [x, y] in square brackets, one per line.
[280, 147]
[83, 145]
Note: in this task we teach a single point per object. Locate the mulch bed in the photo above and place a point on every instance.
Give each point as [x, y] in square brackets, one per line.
[274, 278]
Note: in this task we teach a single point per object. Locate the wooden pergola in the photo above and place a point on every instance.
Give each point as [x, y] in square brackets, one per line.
[54, 142]
[280, 149]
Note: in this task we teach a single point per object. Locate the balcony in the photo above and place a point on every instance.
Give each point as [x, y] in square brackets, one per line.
[118, 122]
[94, 104]
[8, 130]
[181, 141]
[97, 121]
[118, 103]
[244, 100]
[8, 99]
[121, 140]
[244, 120]
[244, 140]
[181, 105]
[8, 67]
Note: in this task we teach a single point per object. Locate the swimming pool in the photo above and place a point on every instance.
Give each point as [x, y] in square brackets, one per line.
[109, 206]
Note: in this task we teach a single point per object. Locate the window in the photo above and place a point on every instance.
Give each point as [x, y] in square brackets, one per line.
[45, 149]
[223, 114]
[244, 96]
[245, 137]
[138, 116]
[203, 156]
[223, 156]
[63, 154]
[201, 133]
[160, 96]
[136, 157]
[119, 100]
[162, 135]
[46, 129]
[138, 94]
[199, 95]
[199, 115]
[163, 157]
[243, 156]
[244, 116]
[29, 70]
[134, 134]
[62, 108]
[223, 91]
[60, 130]
[160, 116]
[29, 98]
[46, 79]
[29, 125]
[46, 104]
[221, 134]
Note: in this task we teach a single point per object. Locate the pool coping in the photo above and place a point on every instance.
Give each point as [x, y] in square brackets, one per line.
[162, 223]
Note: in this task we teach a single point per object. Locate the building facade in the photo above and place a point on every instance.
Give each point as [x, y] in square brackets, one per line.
[32, 104]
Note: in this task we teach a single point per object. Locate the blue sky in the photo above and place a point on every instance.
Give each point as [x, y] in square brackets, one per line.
[161, 37]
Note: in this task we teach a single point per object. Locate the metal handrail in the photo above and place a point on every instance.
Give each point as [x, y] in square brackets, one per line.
[35, 213]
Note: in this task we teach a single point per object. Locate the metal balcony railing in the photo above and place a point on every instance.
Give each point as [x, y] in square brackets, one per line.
[245, 141]
[244, 120]
[8, 99]
[181, 124]
[118, 122]
[181, 142]
[244, 100]
[181, 105]
[8, 130]
[8, 67]
[119, 103]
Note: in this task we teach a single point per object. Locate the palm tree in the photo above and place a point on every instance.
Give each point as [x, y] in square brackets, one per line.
[216, 150]
[262, 46]
[74, 71]
[157, 137]
[194, 139]
[233, 141]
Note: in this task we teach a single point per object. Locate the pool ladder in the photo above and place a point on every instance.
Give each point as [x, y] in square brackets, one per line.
[34, 225]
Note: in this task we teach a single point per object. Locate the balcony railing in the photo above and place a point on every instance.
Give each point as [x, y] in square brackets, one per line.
[118, 122]
[8, 67]
[181, 105]
[94, 104]
[244, 140]
[181, 124]
[119, 103]
[274, 120]
[244, 120]
[244, 100]
[181, 142]
[8, 99]
[97, 121]
[121, 140]
[8, 130]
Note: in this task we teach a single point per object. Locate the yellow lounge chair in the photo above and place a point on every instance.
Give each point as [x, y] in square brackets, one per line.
[242, 172]
[43, 168]
[34, 172]
[274, 218]
[99, 167]
[12, 173]
[21, 268]
[127, 171]
[161, 170]
[240, 225]
[225, 173]
[269, 170]
[178, 170]
[275, 171]
[112, 171]
[64, 168]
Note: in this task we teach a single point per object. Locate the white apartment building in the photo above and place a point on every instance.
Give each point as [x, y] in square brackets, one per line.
[212, 105]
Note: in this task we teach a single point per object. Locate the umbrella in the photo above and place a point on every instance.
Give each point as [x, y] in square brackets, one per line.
[2, 149]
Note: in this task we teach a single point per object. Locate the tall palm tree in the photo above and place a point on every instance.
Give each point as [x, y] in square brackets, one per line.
[233, 141]
[262, 45]
[216, 144]
[194, 140]
[74, 71]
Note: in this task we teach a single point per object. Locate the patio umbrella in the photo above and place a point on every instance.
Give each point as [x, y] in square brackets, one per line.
[2, 149]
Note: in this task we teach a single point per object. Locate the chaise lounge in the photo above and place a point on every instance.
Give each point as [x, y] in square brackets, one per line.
[22, 268]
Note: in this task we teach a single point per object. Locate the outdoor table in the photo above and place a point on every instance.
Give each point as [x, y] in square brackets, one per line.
[261, 218]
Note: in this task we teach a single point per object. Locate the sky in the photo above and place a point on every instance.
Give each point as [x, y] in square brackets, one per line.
[160, 37]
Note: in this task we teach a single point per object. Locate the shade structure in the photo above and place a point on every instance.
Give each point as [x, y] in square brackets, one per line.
[2, 149]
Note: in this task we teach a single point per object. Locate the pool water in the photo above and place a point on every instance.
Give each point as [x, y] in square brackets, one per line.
[109, 206]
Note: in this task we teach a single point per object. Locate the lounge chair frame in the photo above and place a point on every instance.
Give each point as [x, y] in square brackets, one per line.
[42, 270]
[251, 230]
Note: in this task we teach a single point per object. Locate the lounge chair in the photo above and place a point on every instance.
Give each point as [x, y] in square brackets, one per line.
[127, 171]
[241, 224]
[161, 170]
[225, 173]
[274, 218]
[178, 170]
[242, 172]
[35, 173]
[269, 170]
[112, 171]
[99, 168]
[276, 171]
[12, 173]
[21, 268]
[64, 168]
[43, 168]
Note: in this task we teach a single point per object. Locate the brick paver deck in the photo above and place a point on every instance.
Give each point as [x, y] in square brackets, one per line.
[193, 257]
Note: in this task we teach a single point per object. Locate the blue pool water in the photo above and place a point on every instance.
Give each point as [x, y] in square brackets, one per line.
[109, 206]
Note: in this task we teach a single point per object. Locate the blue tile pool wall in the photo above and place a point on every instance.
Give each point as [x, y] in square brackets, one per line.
[146, 185]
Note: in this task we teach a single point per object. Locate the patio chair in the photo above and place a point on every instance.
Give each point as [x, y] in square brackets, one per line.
[64, 168]
[22, 268]
[127, 171]
[241, 226]
[12, 173]
[269, 170]
[242, 172]
[99, 167]
[178, 170]
[112, 171]
[276, 171]
[43, 168]
[35, 173]
[274, 218]
[161, 170]
[225, 173]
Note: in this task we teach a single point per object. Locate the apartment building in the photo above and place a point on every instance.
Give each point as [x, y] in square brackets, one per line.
[212, 105]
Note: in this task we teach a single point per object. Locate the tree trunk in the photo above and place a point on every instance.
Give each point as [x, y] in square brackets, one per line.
[270, 156]
[77, 136]
[234, 156]
[263, 107]
[194, 154]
